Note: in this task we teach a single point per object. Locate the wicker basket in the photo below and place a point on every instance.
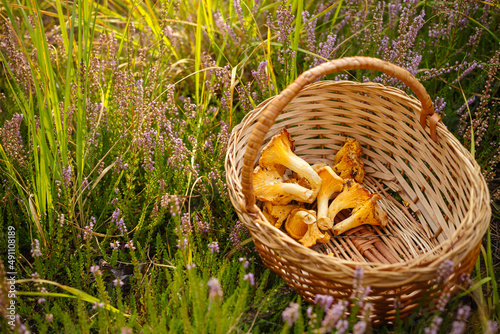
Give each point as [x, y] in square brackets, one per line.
[445, 210]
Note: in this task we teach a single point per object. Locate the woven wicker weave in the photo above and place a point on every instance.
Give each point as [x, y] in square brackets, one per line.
[446, 200]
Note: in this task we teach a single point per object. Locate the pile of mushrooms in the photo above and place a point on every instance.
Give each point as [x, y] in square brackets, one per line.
[291, 199]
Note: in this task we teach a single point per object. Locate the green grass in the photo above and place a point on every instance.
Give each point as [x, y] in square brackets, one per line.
[138, 98]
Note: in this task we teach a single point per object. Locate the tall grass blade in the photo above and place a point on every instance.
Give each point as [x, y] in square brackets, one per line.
[77, 293]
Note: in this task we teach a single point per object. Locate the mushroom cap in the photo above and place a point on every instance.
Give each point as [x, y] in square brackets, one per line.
[353, 195]
[313, 235]
[351, 147]
[317, 166]
[370, 213]
[347, 161]
[349, 168]
[278, 213]
[298, 221]
[330, 182]
[282, 141]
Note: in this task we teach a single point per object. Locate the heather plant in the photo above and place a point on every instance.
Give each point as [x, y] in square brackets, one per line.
[114, 123]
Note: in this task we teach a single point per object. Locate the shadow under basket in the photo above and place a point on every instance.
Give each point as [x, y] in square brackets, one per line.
[432, 189]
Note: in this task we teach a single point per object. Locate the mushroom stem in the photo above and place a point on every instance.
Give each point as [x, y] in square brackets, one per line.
[331, 183]
[269, 186]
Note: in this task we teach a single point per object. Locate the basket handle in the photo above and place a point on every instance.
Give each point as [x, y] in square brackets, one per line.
[279, 102]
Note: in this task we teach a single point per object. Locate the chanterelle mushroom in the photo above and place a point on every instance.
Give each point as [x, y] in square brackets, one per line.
[314, 235]
[277, 214]
[317, 166]
[279, 151]
[351, 147]
[331, 184]
[298, 221]
[353, 195]
[370, 213]
[348, 162]
[269, 186]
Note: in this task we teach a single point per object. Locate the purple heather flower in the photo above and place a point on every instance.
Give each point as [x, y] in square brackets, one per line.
[214, 289]
[239, 11]
[66, 175]
[291, 314]
[120, 223]
[464, 279]
[333, 315]
[309, 312]
[444, 271]
[434, 327]
[117, 282]
[85, 184]
[87, 230]
[325, 49]
[324, 301]
[439, 104]
[491, 327]
[119, 165]
[97, 305]
[182, 243]
[285, 23]
[21, 328]
[130, 245]
[41, 300]
[357, 283]
[359, 327]
[121, 226]
[12, 141]
[115, 245]
[115, 215]
[214, 247]
[342, 326]
[247, 263]
[467, 71]
[95, 270]
[261, 77]
[223, 136]
[234, 236]
[443, 300]
[463, 107]
[250, 278]
[310, 29]
[458, 326]
[202, 226]
[35, 248]
[190, 266]
[397, 304]
[61, 219]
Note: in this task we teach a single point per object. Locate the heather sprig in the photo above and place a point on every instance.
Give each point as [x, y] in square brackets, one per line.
[114, 126]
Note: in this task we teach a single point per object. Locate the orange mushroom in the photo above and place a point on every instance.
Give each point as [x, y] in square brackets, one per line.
[279, 152]
[369, 213]
[353, 195]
